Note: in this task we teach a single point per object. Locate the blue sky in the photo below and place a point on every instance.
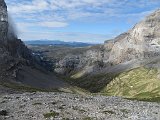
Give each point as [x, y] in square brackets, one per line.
[77, 20]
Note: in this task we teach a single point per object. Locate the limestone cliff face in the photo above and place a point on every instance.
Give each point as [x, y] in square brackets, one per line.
[143, 41]
[12, 50]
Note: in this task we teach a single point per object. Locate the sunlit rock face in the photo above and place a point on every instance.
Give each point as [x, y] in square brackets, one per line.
[141, 42]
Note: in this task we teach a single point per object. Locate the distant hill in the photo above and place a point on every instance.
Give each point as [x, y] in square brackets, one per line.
[57, 42]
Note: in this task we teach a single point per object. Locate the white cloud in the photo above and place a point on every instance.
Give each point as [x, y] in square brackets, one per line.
[49, 14]
[66, 10]
[52, 24]
[27, 7]
[23, 27]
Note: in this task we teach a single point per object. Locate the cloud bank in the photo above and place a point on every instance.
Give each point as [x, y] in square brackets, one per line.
[40, 15]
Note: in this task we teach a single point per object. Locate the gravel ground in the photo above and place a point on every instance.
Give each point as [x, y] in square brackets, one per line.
[66, 106]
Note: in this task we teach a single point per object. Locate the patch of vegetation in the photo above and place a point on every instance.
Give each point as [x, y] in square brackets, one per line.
[50, 114]
[26, 88]
[87, 118]
[78, 75]
[92, 83]
[75, 90]
[109, 112]
[141, 84]
[154, 99]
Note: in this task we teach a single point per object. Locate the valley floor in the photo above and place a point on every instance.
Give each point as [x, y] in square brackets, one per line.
[67, 106]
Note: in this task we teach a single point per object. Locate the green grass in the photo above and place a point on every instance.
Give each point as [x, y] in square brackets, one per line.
[87, 118]
[26, 88]
[91, 83]
[154, 99]
[50, 114]
[140, 83]
[75, 90]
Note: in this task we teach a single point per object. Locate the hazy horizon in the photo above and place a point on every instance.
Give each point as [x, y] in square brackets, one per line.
[47, 40]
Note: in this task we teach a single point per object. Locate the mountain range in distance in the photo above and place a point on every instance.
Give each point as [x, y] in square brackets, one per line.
[58, 43]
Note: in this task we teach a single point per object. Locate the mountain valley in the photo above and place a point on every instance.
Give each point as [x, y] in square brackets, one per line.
[113, 66]
[117, 80]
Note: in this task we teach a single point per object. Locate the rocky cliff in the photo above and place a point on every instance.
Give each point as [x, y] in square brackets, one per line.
[17, 64]
[12, 50]
[92, 59]
[143, 41]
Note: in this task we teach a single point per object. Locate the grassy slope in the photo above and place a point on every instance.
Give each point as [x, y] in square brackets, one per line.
[24, 88]
[140, 83]
[91, 83]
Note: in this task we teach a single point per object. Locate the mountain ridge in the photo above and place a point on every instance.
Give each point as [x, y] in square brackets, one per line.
[58, 42]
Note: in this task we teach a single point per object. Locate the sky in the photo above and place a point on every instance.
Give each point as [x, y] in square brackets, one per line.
[92, 21]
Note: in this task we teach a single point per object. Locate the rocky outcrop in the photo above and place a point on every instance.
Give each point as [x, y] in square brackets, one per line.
[12, 50]
[90, 60]
[143, 41]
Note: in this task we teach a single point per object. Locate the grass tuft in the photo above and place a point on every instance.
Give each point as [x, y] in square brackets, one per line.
[50, 114]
